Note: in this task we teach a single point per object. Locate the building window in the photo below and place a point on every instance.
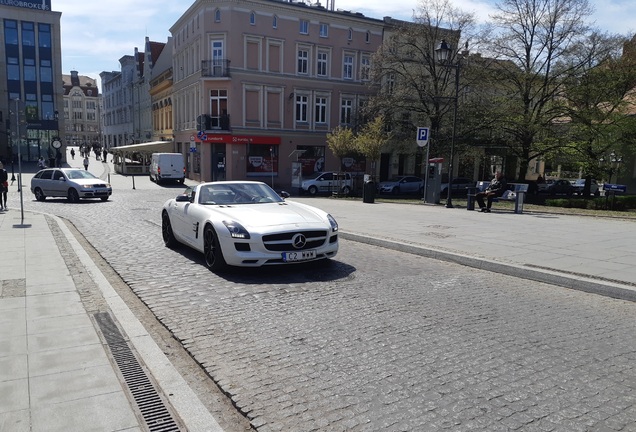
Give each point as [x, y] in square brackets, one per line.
[46, 72]
[390, 83]
[303, 61]
[321, 110]
[304, 26]
[44, 35]
[13, 69]
[321, 63]
[275, 22]
[350, 35]
[29, 70]
[347, 71]
[219, 118]
[252, 18]
[365, 67]
[28, 34]
[324, 30]
[346, 109]
[368, 37]
[217, 15]
[301, 108]
[10, 32]
[47, 106]
[31, 107]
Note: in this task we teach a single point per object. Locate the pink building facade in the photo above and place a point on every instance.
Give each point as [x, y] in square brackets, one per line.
[258, 84]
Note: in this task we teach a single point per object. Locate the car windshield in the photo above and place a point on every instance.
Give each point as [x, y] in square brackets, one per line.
[79, 174]
[314, 176]
[237, 193]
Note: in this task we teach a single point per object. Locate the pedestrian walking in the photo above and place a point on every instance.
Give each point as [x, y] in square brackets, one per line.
[41, 163]
[73, 154]
[4, 187]
[86, 163]
[105, 153]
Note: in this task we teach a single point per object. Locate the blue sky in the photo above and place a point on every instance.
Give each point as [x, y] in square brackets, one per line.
[95, 35]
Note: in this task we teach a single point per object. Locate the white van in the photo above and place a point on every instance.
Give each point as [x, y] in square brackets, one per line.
[167, 166]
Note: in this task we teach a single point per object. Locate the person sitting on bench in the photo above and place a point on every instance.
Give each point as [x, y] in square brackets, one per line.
[495, 189]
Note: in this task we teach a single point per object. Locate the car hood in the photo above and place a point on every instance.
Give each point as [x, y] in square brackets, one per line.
[272, 214]
[85, 182]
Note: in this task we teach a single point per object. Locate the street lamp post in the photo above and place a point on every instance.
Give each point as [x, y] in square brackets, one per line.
[443, 53]
[614, 162]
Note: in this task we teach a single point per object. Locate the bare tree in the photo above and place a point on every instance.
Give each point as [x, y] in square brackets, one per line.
[539, 46]
[415, 88]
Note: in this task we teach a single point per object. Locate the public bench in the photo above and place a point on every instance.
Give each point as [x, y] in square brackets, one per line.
[516, 193]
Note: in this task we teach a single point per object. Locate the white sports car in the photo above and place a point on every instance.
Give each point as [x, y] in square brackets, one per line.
[246, 223]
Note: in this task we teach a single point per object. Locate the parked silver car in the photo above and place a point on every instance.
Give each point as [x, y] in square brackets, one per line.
[327, 182]
[72, 183]
[402, 185]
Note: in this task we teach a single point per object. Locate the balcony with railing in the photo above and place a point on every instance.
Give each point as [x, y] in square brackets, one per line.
[217, 68]
[208, 122]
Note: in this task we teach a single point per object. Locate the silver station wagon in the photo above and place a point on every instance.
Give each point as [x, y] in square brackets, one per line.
[72, 183]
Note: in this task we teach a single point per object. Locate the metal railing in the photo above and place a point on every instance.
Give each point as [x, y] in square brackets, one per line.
[215, 68]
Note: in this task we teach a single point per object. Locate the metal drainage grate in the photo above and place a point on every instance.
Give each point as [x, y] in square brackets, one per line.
[149, 403]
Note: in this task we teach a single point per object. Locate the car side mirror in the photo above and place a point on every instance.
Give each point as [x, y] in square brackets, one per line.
[183, 198]
[284, 194]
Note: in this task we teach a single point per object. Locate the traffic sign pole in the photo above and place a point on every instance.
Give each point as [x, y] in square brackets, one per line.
[422, 140]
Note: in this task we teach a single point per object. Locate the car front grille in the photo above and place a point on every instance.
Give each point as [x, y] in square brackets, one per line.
[282, 242]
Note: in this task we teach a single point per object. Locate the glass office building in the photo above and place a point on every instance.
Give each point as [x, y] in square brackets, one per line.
[31, 73]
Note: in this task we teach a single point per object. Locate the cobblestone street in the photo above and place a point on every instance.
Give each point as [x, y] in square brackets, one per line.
[376, 339]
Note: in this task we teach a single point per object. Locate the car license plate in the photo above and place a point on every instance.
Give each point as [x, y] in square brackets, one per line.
[299, 256]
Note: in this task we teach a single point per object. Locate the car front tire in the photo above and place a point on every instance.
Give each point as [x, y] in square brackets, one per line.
[73, 196]
[212, 250]
[166, 231]
[39, 195]
[313, 190]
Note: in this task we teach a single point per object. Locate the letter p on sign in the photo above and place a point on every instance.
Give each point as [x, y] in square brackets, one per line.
[422, 136]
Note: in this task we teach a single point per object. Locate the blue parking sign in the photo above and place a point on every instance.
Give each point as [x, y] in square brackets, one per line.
[422, 136]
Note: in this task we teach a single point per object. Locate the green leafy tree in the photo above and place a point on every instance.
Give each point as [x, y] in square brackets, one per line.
[599, 106]
[371, 139]
[341, 141]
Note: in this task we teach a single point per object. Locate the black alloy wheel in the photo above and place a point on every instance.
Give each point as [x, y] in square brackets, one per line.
[39, 195]
[73, 196]
[166, 231]
[212, 250]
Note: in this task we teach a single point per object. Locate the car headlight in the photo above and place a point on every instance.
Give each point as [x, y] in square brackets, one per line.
[236, 230]
[333, 223]
[87, 186]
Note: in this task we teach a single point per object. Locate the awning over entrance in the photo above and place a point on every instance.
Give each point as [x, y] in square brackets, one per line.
[144, 148]
[135, 158]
